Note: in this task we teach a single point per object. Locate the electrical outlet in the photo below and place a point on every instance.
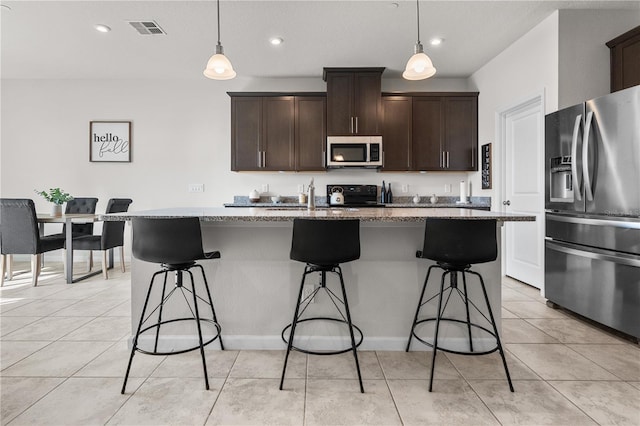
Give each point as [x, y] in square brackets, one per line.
[307, 291]
[265, 187]
[300, 189]
[405, 188]
[196, 187]
[447, 188]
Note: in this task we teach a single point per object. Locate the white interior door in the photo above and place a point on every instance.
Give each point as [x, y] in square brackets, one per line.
[522, 139]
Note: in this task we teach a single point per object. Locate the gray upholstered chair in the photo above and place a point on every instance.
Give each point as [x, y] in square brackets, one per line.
[112, 235]
[19, 234]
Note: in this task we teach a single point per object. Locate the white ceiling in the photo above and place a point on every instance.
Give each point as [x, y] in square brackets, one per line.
[56, 39]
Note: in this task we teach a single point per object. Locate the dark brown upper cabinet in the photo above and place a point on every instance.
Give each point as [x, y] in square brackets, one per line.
[354, 101]
[396, 133]
[277, 132]
[625, 60]
[430, 131]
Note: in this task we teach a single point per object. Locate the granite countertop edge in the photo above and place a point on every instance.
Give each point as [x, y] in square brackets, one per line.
[221, 214]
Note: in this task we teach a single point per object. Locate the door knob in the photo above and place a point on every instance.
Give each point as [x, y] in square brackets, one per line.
[506, 203]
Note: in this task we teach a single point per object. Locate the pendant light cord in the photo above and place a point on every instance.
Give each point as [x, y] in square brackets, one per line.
[417, 18]
[218, 3]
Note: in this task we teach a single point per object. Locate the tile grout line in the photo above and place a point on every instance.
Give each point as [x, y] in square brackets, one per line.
[386, 381]
[221, 388]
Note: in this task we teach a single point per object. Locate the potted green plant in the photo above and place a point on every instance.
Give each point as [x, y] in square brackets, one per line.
[57, 197]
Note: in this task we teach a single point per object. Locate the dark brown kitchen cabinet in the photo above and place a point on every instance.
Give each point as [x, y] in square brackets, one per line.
[277, 132]
[427, 129]
[396, 133]
[354, 101]
[310, 136]
[625, 60]
[246, 133]
[430, 131]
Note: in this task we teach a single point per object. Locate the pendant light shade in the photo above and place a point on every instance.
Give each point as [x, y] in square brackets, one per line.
[219, 67]
[419, 65]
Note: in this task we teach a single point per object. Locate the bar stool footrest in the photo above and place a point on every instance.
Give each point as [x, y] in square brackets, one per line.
[311, 352]
[453, 351]
[181, 351]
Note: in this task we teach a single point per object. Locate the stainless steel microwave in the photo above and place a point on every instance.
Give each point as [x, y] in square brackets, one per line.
[354, 151]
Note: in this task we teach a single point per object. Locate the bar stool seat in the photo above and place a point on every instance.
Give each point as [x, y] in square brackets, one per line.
[455, 245]
[323, 245]
[175, 244]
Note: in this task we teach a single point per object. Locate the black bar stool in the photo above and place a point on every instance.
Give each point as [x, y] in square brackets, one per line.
[323, 245]
[456, 244]
[176, 244]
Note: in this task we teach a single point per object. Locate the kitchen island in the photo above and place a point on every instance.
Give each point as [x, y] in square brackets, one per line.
[254, 284]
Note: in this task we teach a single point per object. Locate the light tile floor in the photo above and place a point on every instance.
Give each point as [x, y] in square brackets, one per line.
[63, 354]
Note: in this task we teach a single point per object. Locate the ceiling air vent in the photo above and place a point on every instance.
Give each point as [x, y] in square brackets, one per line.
[147, 27]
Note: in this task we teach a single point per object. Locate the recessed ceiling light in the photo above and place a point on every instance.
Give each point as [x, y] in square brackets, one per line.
[436, 41]
[276, 41]
[102, 28]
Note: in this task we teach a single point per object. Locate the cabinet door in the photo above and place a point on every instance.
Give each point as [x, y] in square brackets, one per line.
[246, 130]
[367, 103]
[311, 135]
[278, 120]
[396, 133]
[427, 129]
[340, 104]
[461, 133]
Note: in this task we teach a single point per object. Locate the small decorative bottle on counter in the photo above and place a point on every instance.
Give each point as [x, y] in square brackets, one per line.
[383, 193]
[311, 198]
[389, 195]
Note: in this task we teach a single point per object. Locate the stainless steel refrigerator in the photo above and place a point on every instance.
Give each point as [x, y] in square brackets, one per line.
[592, 244]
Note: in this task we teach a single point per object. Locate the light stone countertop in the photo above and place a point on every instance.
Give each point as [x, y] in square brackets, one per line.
[285, 214]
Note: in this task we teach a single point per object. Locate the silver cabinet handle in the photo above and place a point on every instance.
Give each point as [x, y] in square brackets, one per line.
[356, 125]
[259, 158]
[264, 159]
[447, 159]
[506, 203]
[351, 125]
[588, 191]
[574, 158]
[442, 163]
[324, 159]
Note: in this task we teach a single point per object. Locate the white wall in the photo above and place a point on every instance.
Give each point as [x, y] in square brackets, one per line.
[528, 66]
[584, 71]
[180, 135]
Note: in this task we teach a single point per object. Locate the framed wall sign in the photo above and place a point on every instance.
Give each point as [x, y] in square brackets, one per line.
[485, 162]
[110, 141]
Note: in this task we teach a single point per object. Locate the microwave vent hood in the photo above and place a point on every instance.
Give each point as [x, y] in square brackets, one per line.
[354, 152]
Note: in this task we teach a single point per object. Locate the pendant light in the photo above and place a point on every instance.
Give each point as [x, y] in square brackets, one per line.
[419, 65]
[218, 66]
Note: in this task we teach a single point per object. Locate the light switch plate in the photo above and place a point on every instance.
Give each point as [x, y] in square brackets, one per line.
[265, 188]
[447, 187]
[196, 187]
[405, 188]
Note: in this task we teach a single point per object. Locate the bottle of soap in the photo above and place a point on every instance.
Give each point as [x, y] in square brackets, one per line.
[383, 193]
[311, 197]
[389, 195]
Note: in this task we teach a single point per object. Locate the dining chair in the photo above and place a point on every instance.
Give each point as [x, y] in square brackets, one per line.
[19, 234]
[112, 235]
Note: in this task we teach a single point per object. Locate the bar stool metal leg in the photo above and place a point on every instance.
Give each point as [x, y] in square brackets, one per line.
[293, 324]
[197, 314]
[466, 305]
[135, 338]
[495, 330]
[415, 318]
[348, 315]
[435, 339]
[213, 311]
[164, 289]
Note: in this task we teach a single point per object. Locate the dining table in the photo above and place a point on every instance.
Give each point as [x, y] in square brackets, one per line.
[69, 219]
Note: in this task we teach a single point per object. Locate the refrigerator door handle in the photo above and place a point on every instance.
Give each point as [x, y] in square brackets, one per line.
[574, 158]
[588, 191]
[593, 253]
[612, 222]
